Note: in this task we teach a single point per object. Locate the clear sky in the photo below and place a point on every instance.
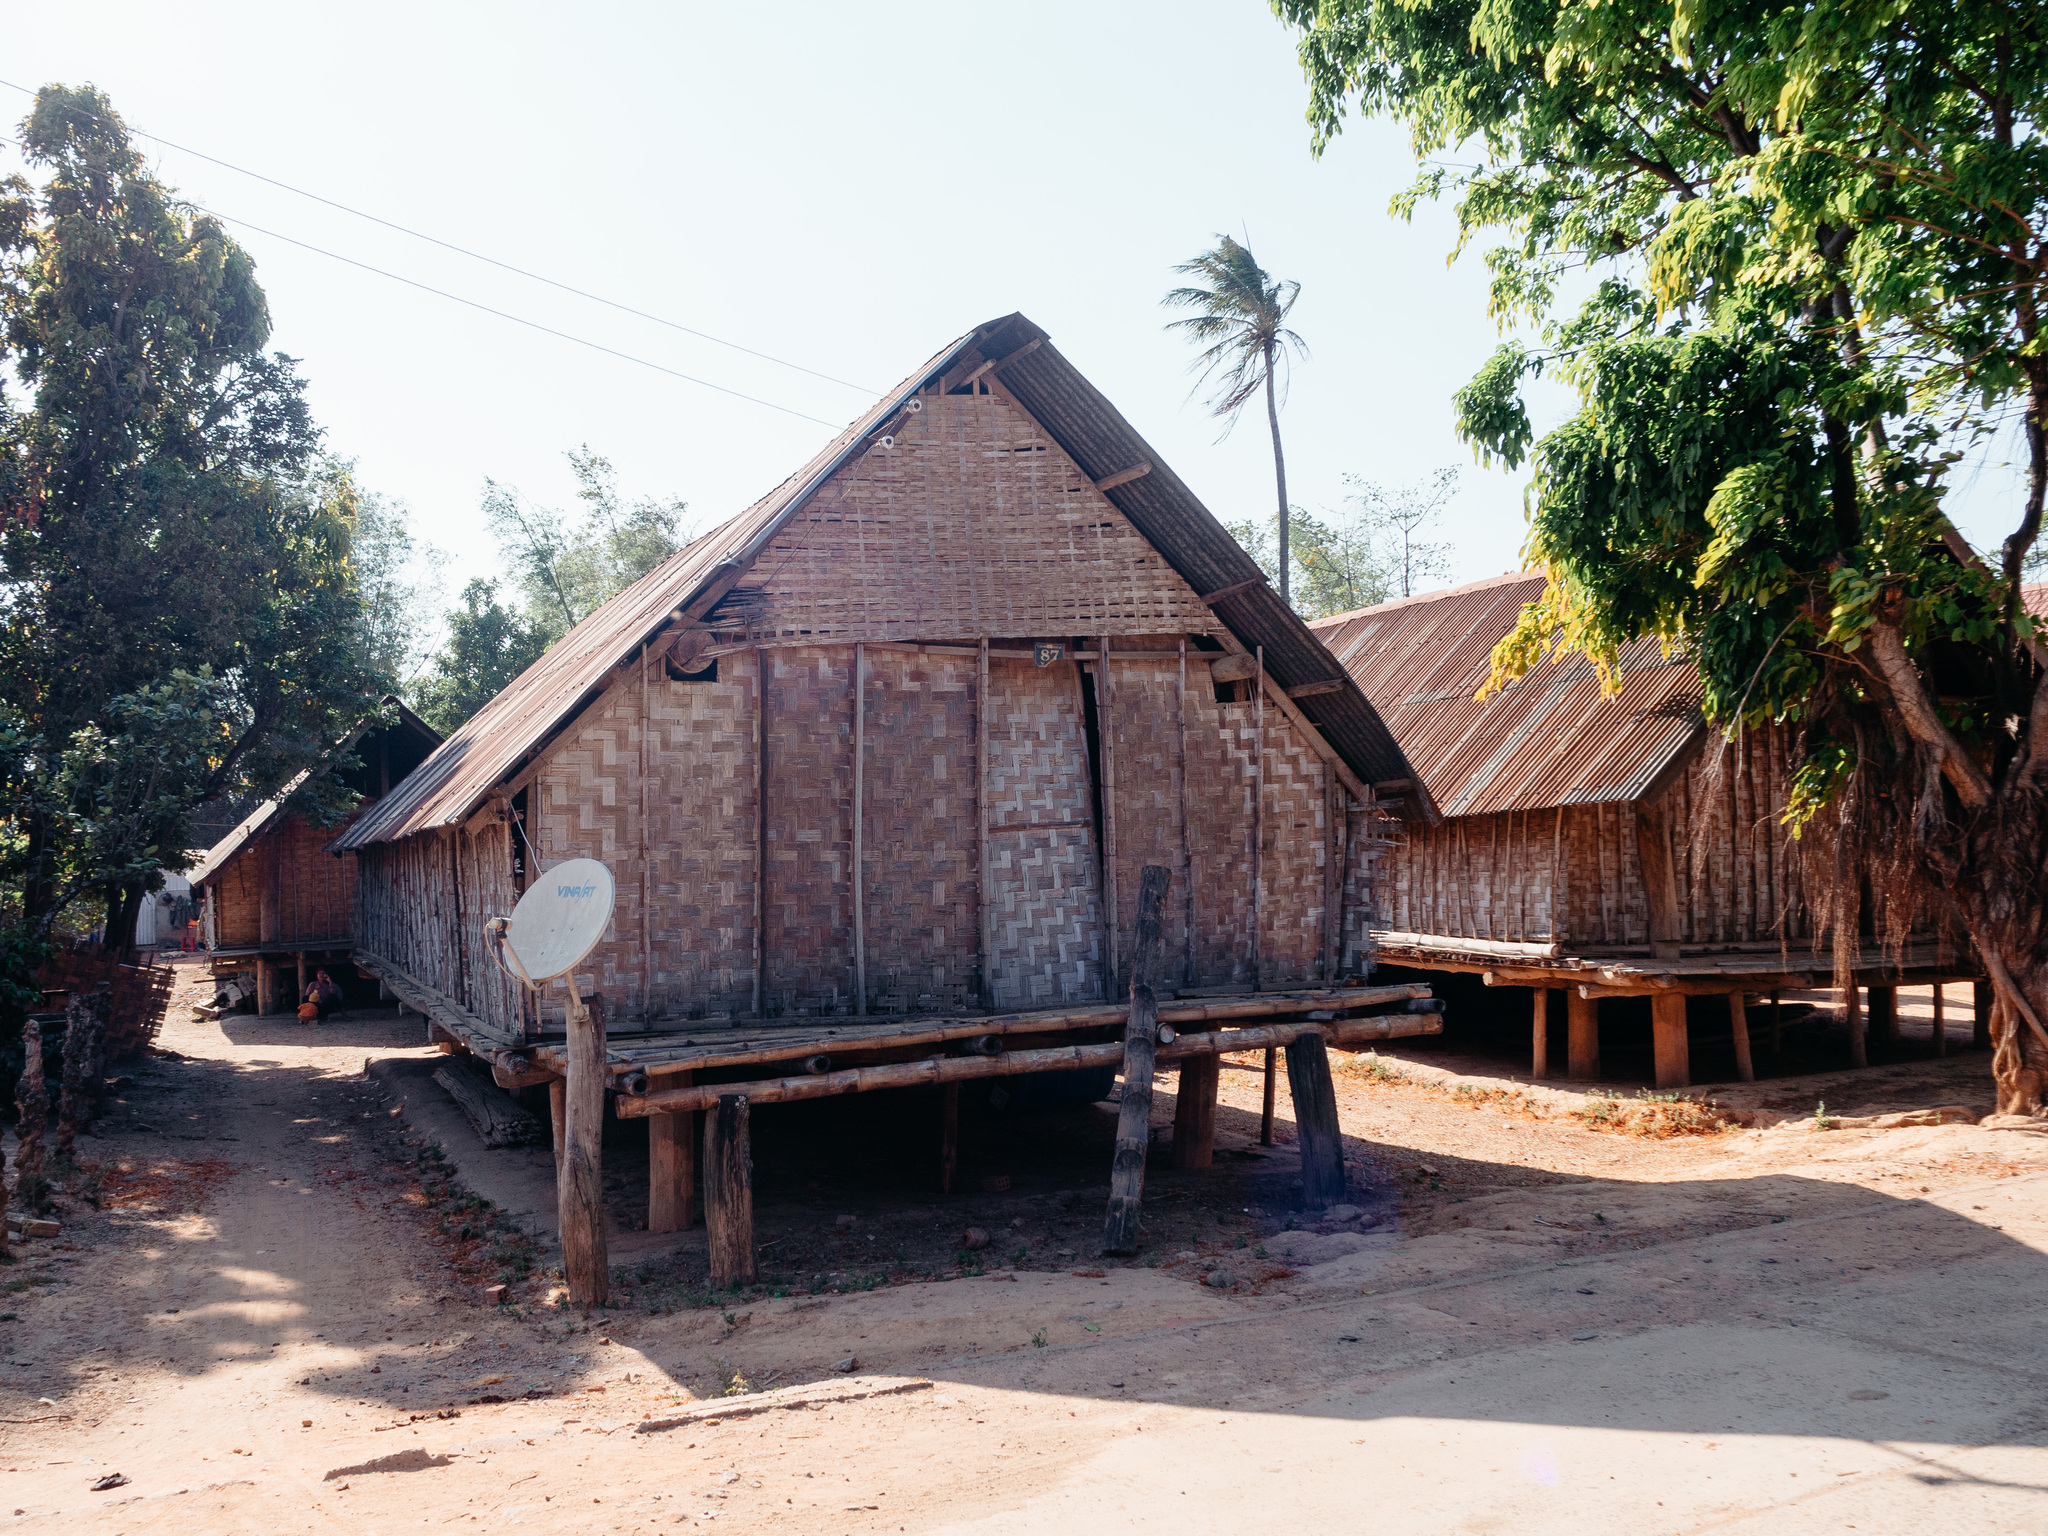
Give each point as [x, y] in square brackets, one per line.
[845, 187]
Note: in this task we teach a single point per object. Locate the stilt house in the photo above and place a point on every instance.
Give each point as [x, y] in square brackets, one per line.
[895, 744]
[1605, 847]
[275, 905]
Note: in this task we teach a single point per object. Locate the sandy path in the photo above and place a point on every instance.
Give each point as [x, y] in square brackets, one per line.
[1811, 1331]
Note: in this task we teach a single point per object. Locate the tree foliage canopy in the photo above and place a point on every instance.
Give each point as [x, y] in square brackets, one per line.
[1817, 242]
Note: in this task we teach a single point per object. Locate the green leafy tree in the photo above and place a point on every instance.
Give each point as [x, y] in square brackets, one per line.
[1337, 565]
[1820, 237]
[1398, 518]
[1240, 323]
[488, 645]
[564, 567]
[163, 515]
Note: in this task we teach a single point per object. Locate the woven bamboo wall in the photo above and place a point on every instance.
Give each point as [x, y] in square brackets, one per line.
[1573, 874]
[313, 890]
[975, 523]
[1044, 883]
[919, 844]
[407, 910]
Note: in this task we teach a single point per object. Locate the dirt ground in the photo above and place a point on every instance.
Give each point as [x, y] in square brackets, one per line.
[1540, 1311]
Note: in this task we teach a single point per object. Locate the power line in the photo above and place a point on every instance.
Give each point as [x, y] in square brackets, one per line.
[501, 314]
[464, 251]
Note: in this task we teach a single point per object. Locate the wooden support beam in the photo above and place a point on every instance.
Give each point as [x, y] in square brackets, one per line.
[860, 736]
[729, 1192]
[1582, 1035]
[1211, 599]
[579, 1181]
[1194, 1112]
[1884, 1014]
[1668, 1039]
[1738, 1029]
[1539, 1031]
[1315, 1121]
[300, 996]
[266, 984]
[949, 1136]
[1140, 1046]
[1266, 1107]
[1321, 685]
[558, 1120]
[1124, 476]
[1859, 1044]
[1940, 1023]
[671, 1172]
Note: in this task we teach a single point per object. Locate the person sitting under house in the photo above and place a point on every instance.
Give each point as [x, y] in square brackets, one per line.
[323, 996]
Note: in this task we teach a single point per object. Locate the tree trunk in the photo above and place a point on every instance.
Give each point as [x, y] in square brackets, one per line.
[124, 908]
[32, 1099]
[85, 1033]
[1998, 891]
[1279, 476]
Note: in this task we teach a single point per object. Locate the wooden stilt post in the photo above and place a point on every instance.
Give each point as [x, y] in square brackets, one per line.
[1582, 1034]
[1315, 1121]
[949, 1136]
[1940, 1024]
[1852, 1009]
[1266, 1109]
[729, 1192]
[1884, 1014]
[558, 1117]
[1141, 1040]
[1194, 1112]
[579, 1177]
[300, 996]
[1539, 1032]
[1980, 1015]
[860, 736]
[1738, 1025]
[265, 984]
[672, 1166]
[1668, 1039]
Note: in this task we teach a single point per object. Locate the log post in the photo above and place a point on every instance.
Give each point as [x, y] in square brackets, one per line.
[1884, 1014]
[1539, 1032]
[85, 1026]
[1141, 1040]
[672, 1167]
[558, 1116]
[1194, 1112]
[299, 996]
[1940, 1024]
[949, 1136]
[32, 1100]
[1315, 1121]
[1582, 1035]
[729, 1192]
[265, 984]
[1980, 1016]
[1738, 1027]
[1852, 1010]
[1266, 1109]
[579, 1181]
[1668, 1038]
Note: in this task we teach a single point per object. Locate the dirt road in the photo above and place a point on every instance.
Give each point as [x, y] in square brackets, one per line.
[1532, 1325]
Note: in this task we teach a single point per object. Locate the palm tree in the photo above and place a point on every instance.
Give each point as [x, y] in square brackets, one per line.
[1241, 325]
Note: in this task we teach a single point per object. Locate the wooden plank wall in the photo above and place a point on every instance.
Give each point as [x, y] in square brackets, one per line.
[315, 890]
[1572, 874]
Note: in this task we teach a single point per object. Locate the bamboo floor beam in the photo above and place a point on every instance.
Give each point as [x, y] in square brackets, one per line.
[951, 1069]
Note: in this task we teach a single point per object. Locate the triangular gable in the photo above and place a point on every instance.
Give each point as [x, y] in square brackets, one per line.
[972, 522]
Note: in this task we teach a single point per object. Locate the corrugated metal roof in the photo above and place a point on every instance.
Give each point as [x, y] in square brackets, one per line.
[446, 788]
[257, 821]
[2036, 599]
[1548, 739]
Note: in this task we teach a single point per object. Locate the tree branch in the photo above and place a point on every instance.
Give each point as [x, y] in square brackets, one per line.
[1916, 710]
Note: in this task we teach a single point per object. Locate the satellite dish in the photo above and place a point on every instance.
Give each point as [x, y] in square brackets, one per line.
[557, 922]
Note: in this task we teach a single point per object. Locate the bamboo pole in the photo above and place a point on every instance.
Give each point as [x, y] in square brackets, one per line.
[1266, 1108]
[985, 909]
[1187, 841]
[860, 929]
[760, 830]
[1066, 1058]
[1105, 717]
[1258, 800]
[1139, 1049]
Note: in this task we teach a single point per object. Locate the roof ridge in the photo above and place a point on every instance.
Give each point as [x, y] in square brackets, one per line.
[1427, 597]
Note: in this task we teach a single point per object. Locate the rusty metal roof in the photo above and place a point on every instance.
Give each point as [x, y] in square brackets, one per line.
[1547, 739]
[506, 732]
